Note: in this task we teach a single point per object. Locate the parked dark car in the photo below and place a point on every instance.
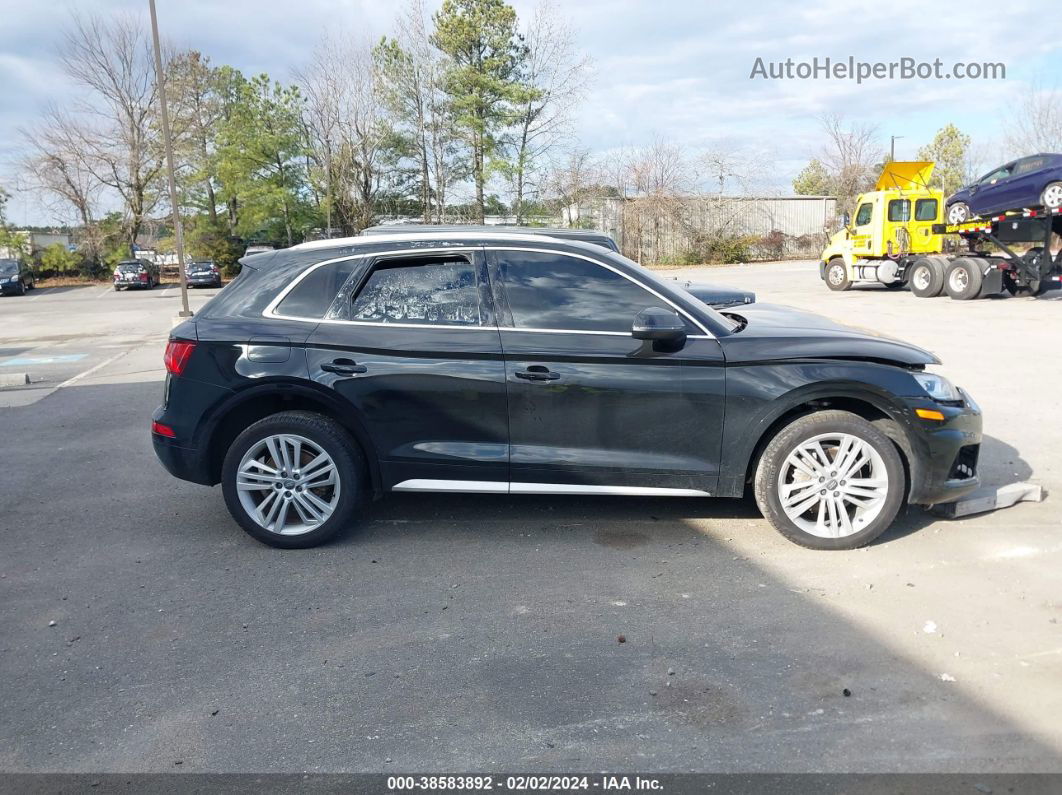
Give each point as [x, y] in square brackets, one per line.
[1034, 181]
[714, 295]
[335, 371]
[16, 277]
[136, 274]
[203, 273]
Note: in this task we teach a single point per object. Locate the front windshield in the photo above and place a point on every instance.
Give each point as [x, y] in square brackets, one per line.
[8, 266]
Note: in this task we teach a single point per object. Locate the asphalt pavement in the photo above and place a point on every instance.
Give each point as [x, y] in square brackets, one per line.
[142, 631]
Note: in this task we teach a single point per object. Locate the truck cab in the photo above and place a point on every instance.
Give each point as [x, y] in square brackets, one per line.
[890, 223]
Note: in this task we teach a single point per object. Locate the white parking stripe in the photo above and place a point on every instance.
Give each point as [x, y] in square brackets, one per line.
[91, 370]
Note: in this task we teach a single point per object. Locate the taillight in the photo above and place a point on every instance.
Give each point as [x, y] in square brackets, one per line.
[162, 430]
[178, 352]
[143, 277]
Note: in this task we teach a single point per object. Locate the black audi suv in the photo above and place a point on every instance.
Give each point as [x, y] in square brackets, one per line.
[502, 363]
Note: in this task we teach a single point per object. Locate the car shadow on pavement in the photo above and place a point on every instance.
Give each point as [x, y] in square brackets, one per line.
[141, 628]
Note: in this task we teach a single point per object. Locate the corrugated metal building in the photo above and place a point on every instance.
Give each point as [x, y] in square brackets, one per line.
[655, 230]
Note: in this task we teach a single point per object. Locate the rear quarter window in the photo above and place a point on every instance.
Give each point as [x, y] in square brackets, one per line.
[313, 294]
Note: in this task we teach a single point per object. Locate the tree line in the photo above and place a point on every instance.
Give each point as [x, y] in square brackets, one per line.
[453, 116]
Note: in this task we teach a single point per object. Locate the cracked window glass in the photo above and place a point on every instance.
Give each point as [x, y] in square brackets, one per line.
[440, 293]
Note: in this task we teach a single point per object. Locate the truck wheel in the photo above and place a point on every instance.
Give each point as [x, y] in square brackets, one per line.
[830, 480]
[927, 277]
[958, 213]
[1051, 198]
[963, 279]
[837, 275]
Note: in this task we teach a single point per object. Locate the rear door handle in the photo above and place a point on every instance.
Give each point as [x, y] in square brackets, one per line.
[537, 372]
[344, 367]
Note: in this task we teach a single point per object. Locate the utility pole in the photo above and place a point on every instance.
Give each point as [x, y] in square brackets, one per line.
[178, 232]
[892, 142]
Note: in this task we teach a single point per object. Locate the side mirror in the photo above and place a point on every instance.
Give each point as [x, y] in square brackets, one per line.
[658, 324]
[846, 221]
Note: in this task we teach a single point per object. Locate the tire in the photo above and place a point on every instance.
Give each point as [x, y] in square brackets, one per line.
[837, 275]
[20, 288]
[958, 213]
[252, 453]
[926, 277]
[1051, 198]
[859, 513]
[963, 279]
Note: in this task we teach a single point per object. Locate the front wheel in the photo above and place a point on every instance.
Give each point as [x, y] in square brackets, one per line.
[20, 288]
[294, 479]
[830, 480]
[837, 275]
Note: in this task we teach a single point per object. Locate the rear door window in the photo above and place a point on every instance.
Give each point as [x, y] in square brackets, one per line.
[429, 291]
[899, 210]
[926, 210]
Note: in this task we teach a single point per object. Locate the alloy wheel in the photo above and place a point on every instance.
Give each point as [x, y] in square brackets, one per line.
[1053, 196]
[288, 484]
[833, 485]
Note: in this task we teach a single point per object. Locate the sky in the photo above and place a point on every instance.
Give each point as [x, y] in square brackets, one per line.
[664, 69]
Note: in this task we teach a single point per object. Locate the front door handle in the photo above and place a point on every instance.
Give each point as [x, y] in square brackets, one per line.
[537, 372]
[344, 367]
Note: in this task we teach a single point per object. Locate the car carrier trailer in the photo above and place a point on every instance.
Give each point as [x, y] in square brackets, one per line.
[899, 236]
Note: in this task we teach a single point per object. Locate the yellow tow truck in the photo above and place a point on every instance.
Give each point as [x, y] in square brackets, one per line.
[897, 238]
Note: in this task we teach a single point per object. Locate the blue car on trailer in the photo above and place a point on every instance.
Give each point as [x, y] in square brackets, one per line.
[1033, 181]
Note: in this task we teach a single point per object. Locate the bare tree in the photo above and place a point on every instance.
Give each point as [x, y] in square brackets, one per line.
[411, 71]
[660, 177]
[850, 155]
[115, 130]
[555, 76]
[348, 132]
[1036, 124]
[197, 108]
[57, 169]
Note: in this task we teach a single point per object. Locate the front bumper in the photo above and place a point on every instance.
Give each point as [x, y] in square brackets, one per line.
[943, 455]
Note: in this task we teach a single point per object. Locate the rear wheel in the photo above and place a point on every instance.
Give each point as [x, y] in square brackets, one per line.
[926, 277]
[1051, 198]
[837, 275]
[963, 279]
[294, 479]
[958, 213]
[830, 480]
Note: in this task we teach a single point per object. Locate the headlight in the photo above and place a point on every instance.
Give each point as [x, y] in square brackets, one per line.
[938, 387]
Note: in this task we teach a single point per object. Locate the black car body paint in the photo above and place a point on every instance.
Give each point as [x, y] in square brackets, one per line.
[475, 404]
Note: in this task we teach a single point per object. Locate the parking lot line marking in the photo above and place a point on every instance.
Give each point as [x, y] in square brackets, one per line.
[29, 360]
[94, 368]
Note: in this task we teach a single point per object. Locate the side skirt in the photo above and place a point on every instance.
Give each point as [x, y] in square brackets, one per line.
[501, 487]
